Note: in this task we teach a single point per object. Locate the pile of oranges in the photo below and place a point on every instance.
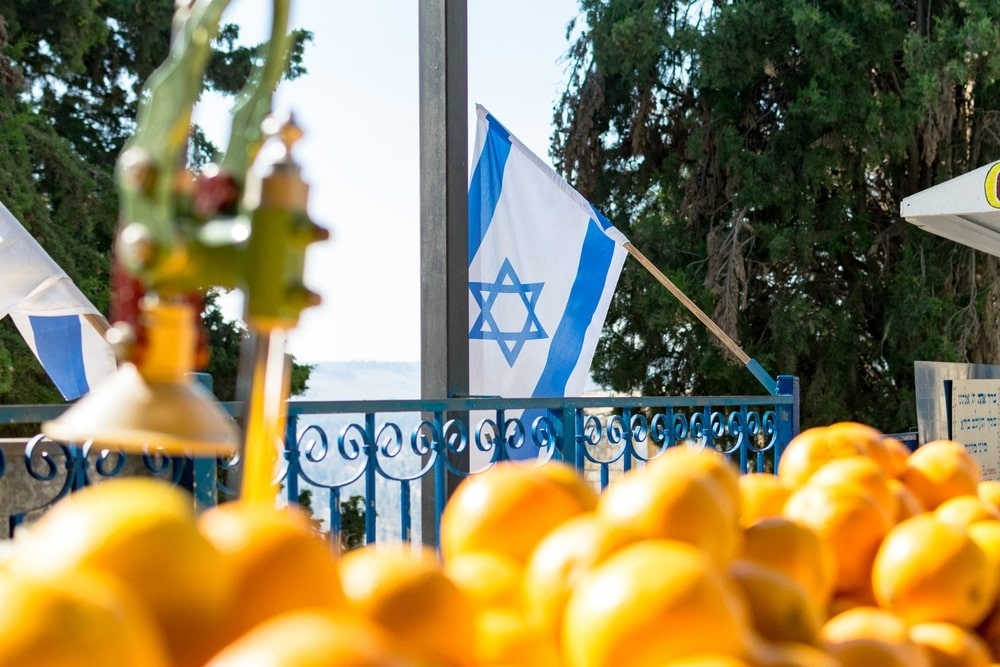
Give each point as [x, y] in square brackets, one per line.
[856, 553]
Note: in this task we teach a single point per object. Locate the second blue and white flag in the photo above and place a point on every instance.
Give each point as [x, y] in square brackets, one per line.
[543, 266]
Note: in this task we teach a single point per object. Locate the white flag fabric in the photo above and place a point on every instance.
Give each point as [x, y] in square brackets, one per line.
[59, 324]
[543, 266]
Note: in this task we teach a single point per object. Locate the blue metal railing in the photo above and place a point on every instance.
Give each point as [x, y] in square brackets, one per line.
[401, 455]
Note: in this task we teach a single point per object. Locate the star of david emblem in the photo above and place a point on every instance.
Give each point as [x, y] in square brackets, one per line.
[515, 311]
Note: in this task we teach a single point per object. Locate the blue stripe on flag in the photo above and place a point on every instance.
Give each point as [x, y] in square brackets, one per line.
[487, 180]
[59, 346]
[564, 353]
[601, 219]
[567, 341]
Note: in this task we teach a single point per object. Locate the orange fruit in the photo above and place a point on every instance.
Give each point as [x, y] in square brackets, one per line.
[949, 645]
[987, 535]
[571, 479]
[793, 654]
[313, 638]
[939, 470]
[988, 491]
[810, 449]
[489, 580]
[989, 630]
[684, 494]
[795, 550]
[863, 472]
[402, 589]
[707, 660]
[889, 453]
[844, 601]
[700, 462]
[483, 511]
[140, 531]
[278, 562]
[75, 621]
[651, 602]
[762, 495]
[780, 608]
[561, 560]
[907, 504]
[869, 636]
[966, 510]
[504, 637]
[929, 570]
[849, 522]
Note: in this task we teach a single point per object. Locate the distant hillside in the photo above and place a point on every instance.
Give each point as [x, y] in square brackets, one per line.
[363, 380]
[369, 380]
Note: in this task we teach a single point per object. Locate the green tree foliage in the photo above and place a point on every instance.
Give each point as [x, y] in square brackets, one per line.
[757, 152]
[352, 522]
[352, 519]
[70, 77]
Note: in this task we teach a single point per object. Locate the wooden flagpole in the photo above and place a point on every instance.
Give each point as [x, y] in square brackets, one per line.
[755, 368]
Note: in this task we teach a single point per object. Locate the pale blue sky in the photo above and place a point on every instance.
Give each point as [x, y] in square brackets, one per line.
[358, 107]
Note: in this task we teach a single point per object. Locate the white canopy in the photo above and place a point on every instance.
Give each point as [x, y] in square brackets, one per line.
[965, 209]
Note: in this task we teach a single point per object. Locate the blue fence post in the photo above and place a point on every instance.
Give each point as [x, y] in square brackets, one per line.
[440, 471]
[579, 448]
[500, 452]
[744, 438]
[405, 529]
[788, 415]
[292, 456]
[336, 519]
[371, 451]
[76, 465]
[13, 522]
[629, 444]
[203, 481]
[567, 439]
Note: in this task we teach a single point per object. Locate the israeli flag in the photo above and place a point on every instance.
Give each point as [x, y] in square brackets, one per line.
[543, 266]
[60, 325]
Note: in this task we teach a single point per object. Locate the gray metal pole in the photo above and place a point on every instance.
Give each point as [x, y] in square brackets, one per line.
[444, 271]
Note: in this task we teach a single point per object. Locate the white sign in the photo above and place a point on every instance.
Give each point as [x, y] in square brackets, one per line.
[975, 421]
